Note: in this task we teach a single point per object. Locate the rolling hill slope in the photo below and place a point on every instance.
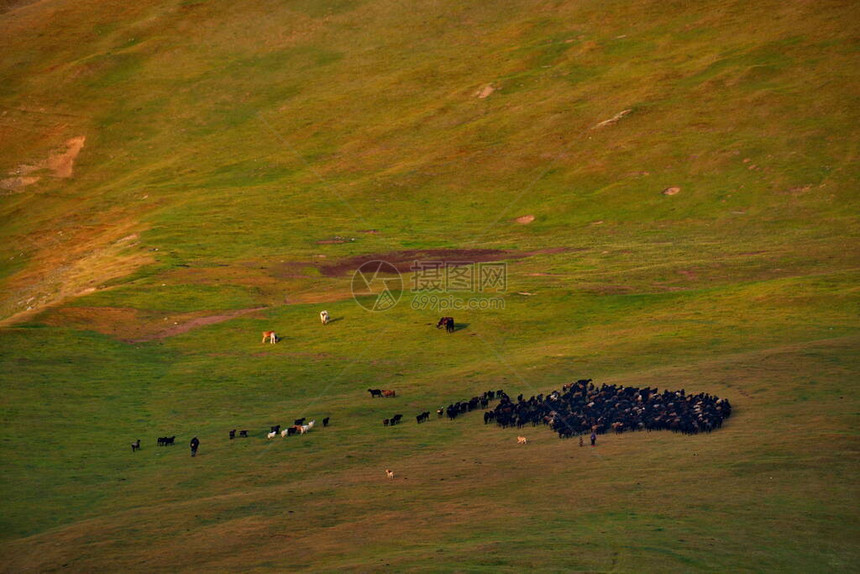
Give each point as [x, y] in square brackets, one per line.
[670, 186]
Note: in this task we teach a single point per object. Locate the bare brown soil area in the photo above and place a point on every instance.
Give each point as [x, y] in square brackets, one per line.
[60, 164]
[135, 326]
[184, 324]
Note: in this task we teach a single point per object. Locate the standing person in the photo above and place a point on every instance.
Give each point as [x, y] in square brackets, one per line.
[195, 444]
[593, 438]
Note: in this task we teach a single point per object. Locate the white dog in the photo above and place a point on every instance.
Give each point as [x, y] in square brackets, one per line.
[324, 317]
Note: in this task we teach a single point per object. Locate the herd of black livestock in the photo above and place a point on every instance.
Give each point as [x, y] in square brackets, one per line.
[582, 408]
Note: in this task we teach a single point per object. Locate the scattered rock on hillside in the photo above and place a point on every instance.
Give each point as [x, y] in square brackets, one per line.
[671, 190]
[611, 120]
[525, 219]
[485, 91]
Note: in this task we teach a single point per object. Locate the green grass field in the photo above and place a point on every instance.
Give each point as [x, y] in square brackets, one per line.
[178, 176]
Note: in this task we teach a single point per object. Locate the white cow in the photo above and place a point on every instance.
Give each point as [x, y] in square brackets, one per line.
[324, 317]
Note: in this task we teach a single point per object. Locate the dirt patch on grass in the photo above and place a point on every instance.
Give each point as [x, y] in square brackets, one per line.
[60, 164]
[184, 324]
[136, 326]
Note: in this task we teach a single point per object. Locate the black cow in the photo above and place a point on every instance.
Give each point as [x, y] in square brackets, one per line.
[375, 393]
[135, 445]
[447, 322]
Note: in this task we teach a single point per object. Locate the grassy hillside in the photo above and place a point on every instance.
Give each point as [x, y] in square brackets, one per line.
[177, 176]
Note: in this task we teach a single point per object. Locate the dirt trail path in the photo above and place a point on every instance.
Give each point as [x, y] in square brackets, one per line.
[181, 328]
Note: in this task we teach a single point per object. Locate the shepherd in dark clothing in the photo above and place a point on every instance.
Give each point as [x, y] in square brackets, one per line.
[593, 438]
[194, 445]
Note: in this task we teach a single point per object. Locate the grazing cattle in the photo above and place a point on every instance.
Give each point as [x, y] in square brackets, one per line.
[522, 440]
[447, 322]
[232, 434]
[374, 393]
[389, 473]
[135, 445]
[276, 429]
[388, 394]
[385, 422]
[324, 317]
[299, 422]
[396, 419]
[243, 434]
[166, 440]
[270, 336]
[325, 421]
[423, 417]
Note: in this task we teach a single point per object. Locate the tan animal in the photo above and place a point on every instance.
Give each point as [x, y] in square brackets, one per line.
[324, 317]
[389, 473]
[522, 440]
[270, 336]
